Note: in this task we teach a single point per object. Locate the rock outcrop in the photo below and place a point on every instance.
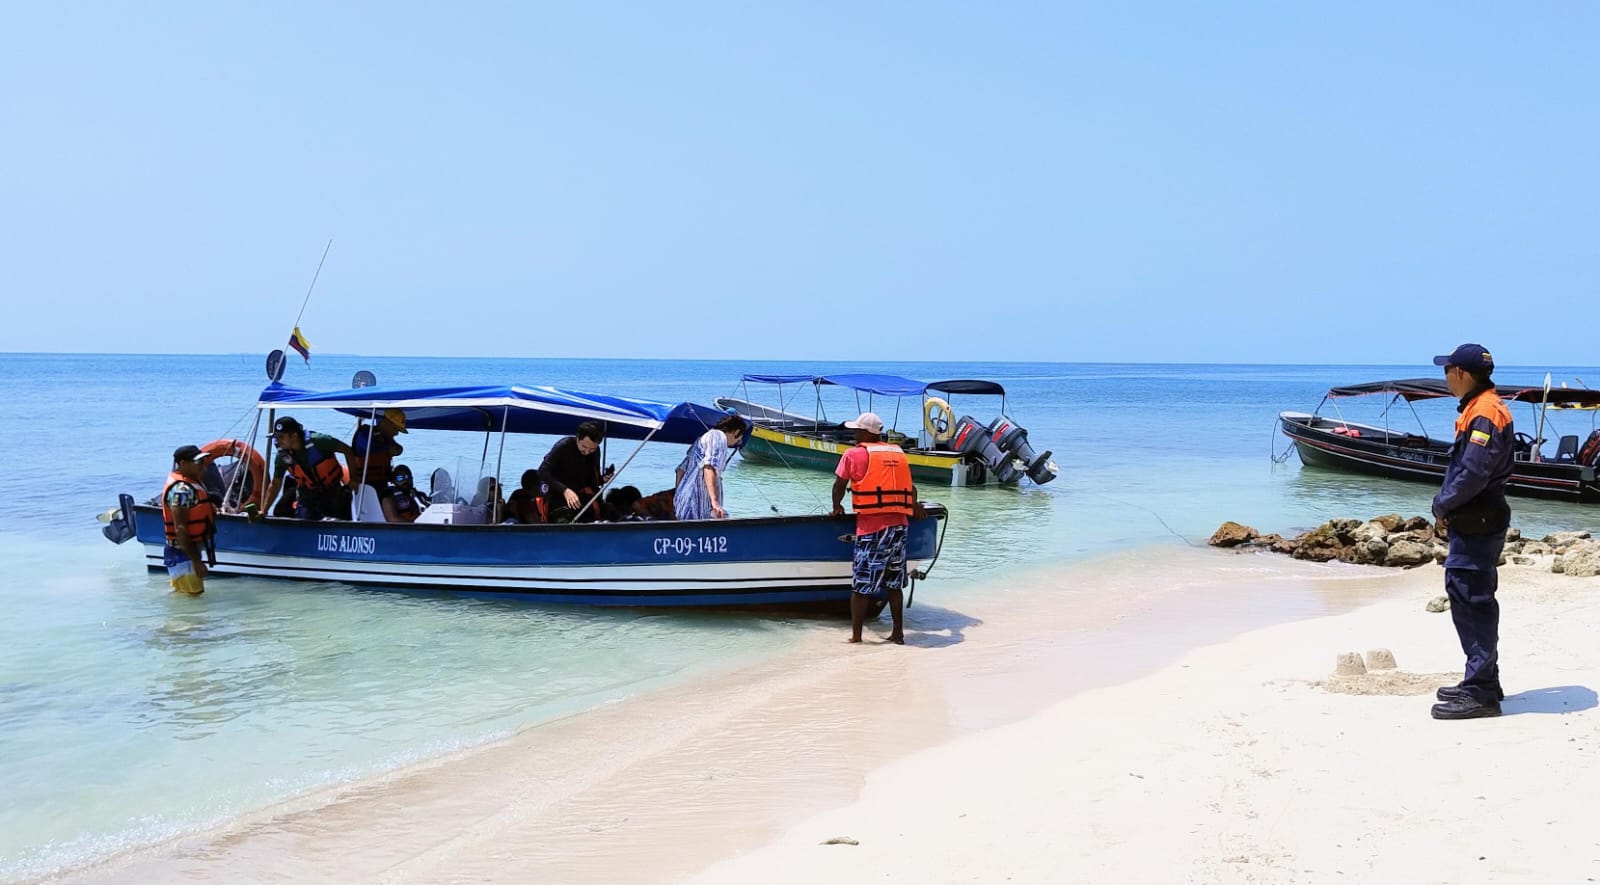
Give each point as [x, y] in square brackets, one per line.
[1407, 542]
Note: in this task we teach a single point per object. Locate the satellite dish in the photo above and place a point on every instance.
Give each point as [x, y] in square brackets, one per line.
[275, 365]
[364, 378]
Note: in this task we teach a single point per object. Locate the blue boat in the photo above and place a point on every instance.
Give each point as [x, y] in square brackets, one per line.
[783, 562]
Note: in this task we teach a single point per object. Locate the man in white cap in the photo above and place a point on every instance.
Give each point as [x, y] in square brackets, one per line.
[884, 499]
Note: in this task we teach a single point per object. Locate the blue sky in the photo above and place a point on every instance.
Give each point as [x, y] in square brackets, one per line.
[1208, 182]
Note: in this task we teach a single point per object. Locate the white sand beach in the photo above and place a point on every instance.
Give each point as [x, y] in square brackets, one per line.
[1143, 718]
[1244, 762]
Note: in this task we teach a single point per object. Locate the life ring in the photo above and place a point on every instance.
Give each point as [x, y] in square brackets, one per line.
[938, 419]
[241, 451]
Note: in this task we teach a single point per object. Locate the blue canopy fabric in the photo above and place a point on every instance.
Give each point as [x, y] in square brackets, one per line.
[882, 385]
[536, 410]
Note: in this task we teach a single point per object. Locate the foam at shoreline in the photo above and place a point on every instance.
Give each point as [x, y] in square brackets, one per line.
[660, 785]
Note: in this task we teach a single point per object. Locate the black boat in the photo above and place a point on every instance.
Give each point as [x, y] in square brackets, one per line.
[1337, 444]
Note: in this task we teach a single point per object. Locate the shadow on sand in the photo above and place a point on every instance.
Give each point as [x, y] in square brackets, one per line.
[1556, 699]
[929, 626]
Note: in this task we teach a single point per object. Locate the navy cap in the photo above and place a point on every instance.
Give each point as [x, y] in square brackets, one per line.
[1472, 357]
[189, 453]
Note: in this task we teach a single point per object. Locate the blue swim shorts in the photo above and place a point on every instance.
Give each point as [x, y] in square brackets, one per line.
[878, 565]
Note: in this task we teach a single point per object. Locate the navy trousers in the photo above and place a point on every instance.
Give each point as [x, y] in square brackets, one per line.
[1476, 614]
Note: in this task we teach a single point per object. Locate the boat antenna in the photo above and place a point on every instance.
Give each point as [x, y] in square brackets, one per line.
[313, 285]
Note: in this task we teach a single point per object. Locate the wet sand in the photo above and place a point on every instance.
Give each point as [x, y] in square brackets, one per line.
[663, 786]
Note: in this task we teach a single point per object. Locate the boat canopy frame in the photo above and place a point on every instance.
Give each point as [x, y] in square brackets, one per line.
[878, 384]
[533, 410]
[1413, 389]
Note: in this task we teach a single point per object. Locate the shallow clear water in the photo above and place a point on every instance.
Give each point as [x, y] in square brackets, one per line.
[127, 714]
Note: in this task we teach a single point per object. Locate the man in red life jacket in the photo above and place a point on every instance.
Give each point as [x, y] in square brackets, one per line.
[187, 514]
[885, 500]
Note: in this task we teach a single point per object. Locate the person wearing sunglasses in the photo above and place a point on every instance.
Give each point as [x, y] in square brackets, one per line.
[407, 499]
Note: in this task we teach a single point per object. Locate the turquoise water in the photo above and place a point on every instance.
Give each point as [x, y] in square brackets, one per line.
[127, 714]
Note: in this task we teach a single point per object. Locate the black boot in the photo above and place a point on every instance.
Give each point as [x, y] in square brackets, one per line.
[1465, 708]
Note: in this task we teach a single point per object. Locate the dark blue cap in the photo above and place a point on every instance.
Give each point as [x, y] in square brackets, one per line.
[1472, 357]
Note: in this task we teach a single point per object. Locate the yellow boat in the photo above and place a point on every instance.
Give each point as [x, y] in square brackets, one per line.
[946, 450]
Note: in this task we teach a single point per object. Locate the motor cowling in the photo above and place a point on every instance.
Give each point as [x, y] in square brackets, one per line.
[1013, 440]
[974, 440]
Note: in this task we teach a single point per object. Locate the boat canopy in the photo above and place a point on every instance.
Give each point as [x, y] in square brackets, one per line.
[536, 410]
[1433, 388]
[968, 386]
[882, 385]
[1410, 388]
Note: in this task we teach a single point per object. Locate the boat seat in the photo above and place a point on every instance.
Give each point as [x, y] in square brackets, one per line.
[366, 507]
[1567, 449]
[441, 487]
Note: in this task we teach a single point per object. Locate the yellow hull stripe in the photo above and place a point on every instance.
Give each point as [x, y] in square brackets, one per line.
[933, 460]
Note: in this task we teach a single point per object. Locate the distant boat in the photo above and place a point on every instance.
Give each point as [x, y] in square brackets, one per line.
[1337, 444]
[944, 450]
[783, 562]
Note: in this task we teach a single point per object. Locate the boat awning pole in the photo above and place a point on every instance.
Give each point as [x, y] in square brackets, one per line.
[608, 483]
[1538, 438]
[500, 457]
[272, 422]
[241, 472]
[372, 427]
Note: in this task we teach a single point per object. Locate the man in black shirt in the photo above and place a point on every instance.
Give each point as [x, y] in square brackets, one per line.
[571, 473]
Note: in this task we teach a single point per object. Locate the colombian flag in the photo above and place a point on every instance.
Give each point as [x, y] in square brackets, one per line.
[300, 345]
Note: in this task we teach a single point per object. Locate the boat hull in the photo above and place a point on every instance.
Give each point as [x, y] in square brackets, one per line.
[804, 450]
[1376, 451]
[781, 562]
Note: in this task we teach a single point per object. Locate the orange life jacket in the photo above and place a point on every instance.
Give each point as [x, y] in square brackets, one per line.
[202, 519]
[379, 456]
[326, 473]
[886, 487]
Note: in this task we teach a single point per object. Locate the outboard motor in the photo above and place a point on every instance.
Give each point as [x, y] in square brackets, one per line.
[1013, 440]
[971, 438]
[119, 528]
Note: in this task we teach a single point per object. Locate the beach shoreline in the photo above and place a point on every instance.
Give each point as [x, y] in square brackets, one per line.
[664, 785]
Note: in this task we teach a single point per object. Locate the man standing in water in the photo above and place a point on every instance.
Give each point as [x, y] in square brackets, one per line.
[884, 498]
[1473, 509]
[187, 514]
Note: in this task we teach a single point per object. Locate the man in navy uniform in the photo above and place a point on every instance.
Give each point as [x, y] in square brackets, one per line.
[1472, 507]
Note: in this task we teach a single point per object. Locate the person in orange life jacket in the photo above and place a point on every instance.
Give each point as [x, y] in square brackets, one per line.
[320, 490]
[372, 450]
[885, 499]
[1472, 508]
[408, 501]
[526, 504]
[570, 474]
[189, 520]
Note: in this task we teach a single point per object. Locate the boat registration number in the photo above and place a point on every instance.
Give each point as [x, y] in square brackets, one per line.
[691, 546]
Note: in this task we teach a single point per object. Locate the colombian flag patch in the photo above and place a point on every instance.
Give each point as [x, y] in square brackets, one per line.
[1479, 438]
